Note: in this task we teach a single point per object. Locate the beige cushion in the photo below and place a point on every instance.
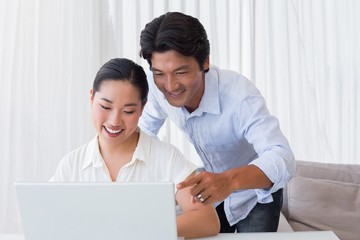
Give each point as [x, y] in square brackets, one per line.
[349, 173]
[320, 204]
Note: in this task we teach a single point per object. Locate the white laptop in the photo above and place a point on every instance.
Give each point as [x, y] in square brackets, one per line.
[97, 211]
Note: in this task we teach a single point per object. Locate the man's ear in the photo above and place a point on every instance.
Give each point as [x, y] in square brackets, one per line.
[207, 64]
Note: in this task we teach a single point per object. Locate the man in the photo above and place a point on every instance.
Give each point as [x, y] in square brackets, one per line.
[246, 157]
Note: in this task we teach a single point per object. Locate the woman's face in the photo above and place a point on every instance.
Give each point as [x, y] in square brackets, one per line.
[116, 109]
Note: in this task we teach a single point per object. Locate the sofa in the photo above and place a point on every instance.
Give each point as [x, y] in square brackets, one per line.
[323, 196]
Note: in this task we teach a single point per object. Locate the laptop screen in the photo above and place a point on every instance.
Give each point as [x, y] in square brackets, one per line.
[110, 211]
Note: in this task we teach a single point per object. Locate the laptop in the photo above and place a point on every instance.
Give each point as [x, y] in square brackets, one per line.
[97, 211]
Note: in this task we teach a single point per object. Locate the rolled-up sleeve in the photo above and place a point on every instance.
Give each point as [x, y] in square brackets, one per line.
[275, 157]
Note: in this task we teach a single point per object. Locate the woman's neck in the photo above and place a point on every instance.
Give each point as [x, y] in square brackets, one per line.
[116, 156]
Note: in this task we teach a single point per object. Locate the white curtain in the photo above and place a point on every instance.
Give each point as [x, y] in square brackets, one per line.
[302, 54]
[306, 63]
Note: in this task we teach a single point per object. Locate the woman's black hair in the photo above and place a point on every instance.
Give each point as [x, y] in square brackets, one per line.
[175, 31]
[122, 69]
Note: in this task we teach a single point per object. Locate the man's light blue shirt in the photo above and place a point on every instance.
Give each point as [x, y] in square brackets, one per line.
[232, 127]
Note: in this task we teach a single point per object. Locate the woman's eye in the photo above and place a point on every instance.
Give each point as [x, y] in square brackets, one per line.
[129, 112]
[106, 108]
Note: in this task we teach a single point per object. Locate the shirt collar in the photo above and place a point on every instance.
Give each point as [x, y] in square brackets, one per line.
[93, 156]
[210, 101]
[142, 151]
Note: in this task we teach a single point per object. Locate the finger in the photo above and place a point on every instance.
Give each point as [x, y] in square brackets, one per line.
[199, 198]
[190, 181]
[200, 186]
[197, 189]
[208, 200]
[203, 195]
[192, 200]
[202, 198]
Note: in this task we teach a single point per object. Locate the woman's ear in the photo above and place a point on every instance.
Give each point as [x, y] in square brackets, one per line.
[91, 96]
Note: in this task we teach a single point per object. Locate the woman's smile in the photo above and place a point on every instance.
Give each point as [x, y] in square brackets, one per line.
[113, 132]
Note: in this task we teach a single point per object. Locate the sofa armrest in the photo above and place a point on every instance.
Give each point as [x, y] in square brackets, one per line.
[284, 225]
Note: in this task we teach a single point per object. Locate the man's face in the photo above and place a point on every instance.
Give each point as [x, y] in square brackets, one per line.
[179, 78]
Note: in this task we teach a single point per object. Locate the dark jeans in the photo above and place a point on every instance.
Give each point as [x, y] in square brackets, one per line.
[262, 218]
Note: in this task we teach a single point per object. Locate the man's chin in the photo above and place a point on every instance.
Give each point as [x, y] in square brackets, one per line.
[175, 103]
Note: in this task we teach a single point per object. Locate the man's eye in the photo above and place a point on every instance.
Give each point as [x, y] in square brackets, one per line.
[106, 108]
[180, 73]
[158, 73]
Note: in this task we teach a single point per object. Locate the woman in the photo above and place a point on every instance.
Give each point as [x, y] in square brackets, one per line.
[121, 152]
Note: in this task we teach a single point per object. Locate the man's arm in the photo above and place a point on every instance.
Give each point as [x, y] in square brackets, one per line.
[267, 173]
[215, 187]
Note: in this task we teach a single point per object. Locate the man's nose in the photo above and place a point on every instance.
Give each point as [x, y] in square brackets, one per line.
[171, 83]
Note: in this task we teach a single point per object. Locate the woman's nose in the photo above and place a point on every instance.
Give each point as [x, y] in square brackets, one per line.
[115, 118]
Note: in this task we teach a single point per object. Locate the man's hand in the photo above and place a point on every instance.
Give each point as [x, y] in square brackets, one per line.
[208, 187]
[215, 187]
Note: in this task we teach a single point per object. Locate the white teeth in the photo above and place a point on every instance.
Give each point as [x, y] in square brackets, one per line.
[113, 131]
[176, 94]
